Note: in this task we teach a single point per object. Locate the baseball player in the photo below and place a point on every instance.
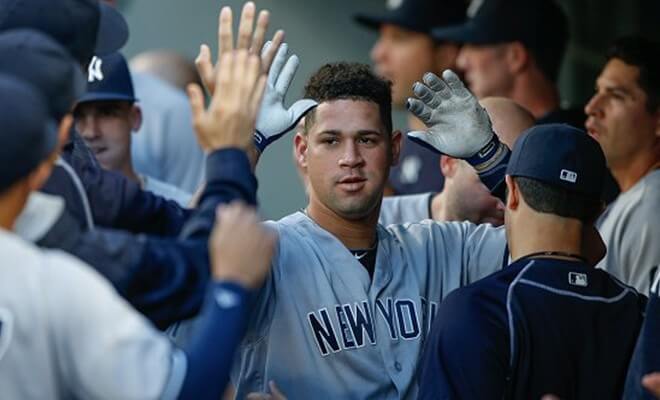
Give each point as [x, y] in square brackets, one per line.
[64, 332]
[549, 322]
[348, 303]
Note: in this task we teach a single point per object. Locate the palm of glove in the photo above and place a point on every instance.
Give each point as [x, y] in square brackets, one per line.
[457, 124]
[274, 120]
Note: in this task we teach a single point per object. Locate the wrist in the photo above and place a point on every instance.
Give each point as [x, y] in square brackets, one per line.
[489, 155]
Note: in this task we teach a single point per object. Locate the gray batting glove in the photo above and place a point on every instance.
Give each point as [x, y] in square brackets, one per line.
[274, 120]
[457, 124]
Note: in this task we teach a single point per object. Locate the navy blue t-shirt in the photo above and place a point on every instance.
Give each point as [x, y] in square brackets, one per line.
[538, 326]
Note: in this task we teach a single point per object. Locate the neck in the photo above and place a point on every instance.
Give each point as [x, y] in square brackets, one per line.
[628, 173]
[12, 202]
[541, 233]
[128, 171]
[353, 233]
[537, 95]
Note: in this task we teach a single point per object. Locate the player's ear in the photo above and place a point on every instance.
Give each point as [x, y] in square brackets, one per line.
[448, 166]
[517, 56]
[512, 193]
[136, 117]
[397, 136]
[300, 148]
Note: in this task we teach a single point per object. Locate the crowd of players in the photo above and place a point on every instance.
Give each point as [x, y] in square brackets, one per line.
[516, 257]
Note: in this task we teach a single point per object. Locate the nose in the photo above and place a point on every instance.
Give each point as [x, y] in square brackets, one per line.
[593, 107]
[351, 155]
[87, 126]
[378, 52]
[462, 60]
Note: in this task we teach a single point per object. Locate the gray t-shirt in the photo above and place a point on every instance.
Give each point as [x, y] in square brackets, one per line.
[630, 228]
[66, 334]
[323, 328]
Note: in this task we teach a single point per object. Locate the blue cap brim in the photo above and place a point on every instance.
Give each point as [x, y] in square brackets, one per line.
[465, 33]
[112, 33]
[101, 96]
[375, 21]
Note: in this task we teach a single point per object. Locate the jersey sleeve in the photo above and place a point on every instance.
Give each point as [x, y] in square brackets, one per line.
[104, 348]
[466, 355]
[402, 209]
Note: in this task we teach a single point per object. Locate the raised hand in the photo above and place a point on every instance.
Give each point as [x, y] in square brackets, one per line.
[457, 124]
[229, 120]
[274, 120]
[240, 246]
[247, 40]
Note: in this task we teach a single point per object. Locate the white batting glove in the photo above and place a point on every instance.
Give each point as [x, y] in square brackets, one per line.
[273, 119]
[457, 124]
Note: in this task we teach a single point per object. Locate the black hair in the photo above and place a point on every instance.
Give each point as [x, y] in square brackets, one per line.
[551, 199]
[644, 54]
[350, 81]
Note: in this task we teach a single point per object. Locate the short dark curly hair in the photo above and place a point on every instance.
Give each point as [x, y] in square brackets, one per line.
[350, 81]
[644, 54]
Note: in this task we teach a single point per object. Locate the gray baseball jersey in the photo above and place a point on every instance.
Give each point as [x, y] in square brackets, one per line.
[408, 208]
[65, 333]
[323, 328]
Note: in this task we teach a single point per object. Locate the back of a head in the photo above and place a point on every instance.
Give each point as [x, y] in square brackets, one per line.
[28, 134]
[40, 60]
[560, 170]
[350, 81]
[644, 54]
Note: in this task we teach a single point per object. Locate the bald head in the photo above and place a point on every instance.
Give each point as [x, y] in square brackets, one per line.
[509, 118]
[168, 65]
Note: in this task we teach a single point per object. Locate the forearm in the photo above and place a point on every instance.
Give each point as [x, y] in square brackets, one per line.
[211, 351]
[229, 177]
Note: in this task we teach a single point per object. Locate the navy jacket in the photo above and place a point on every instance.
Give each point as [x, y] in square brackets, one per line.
[163, 277]
[540, 326]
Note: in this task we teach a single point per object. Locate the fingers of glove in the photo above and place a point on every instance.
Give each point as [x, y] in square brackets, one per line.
[260, 31]
[269, 52]
[266, 47]
[300, 108]
[426, 95]
[440, 88]
[419, 109]
[455, 83]
[278, 64]
[287, 74]
[245, 26]
[225, 32]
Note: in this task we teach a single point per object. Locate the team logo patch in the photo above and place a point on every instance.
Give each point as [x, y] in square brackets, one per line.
[568, 176]
[6, 325]
[578, 279]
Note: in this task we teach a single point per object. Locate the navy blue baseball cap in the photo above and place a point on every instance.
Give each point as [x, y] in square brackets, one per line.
[108, 79]
[39, 60]
[562, 156]
[535, 23]
[416, 15]
[84, 27]
[28, 135]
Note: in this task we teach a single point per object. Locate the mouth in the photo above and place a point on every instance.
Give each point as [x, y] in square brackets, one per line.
[352, 183]
[98, 150]
[592, 130]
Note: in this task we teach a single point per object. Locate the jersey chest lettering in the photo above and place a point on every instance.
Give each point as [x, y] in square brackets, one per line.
[353, 325]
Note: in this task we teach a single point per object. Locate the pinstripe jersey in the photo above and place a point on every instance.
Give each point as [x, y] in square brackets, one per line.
[323, 329]
[538, 326]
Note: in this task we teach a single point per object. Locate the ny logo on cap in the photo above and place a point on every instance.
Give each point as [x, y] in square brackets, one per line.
[568, 176]
[393, 4]
[578, 279]
[94, 71]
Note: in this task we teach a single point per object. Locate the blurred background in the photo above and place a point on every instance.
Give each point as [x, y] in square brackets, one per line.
[324, 31]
